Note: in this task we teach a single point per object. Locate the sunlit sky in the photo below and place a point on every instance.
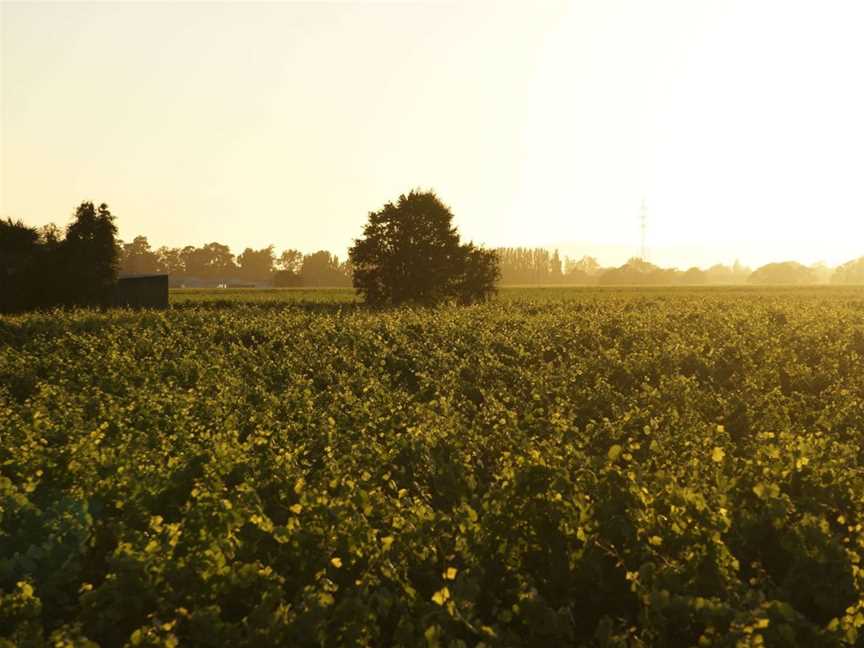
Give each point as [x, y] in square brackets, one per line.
[741, 123]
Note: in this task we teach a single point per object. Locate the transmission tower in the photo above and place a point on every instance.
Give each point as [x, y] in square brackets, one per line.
[643, 226]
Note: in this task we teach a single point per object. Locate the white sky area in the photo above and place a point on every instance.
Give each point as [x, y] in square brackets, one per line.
[741, 123]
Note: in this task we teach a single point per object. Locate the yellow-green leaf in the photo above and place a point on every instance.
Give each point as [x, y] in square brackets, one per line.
[440, 597]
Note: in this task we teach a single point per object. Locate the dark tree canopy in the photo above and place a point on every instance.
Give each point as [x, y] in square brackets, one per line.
[91, 256]
[410, 252]
[46, 268]
[19, 246]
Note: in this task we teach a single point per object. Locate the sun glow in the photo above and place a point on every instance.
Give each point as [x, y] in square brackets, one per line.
[738, 122]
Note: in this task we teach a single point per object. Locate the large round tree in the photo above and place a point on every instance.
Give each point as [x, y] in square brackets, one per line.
[410, 252]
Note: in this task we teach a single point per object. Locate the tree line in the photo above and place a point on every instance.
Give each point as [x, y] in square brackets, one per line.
[215, 264]
[410, 251]
[78, 265]
[539, 266]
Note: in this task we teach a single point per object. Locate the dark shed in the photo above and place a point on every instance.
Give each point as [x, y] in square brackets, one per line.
[142, 291]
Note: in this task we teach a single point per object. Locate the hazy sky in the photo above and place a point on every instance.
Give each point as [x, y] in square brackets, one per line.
[539, 123]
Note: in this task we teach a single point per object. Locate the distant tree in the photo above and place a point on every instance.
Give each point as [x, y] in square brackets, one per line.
[851, 272]
[90, 256]
[220, 263]
[555, 272]
[587, 265]
[346, 269]
[410, 252]
[194, 261]
[667, 277]
[579, 277]
[322, 269]
[286, 279]
[636, 272]
[256, 265]
[529, 266]
[288, 269]
[694, 277]
[719, 274]
[821, 272]
[170, 261]
[583, 272]
[784, 273]
[213, 261]
[137, 257]
[290, 261]
[740, 271]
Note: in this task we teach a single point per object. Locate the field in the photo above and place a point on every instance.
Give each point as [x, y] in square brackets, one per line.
[559, 467]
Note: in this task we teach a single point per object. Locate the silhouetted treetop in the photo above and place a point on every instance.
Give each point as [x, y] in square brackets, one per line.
[45, 268]
[16, 238]
[410, 252]
[90, 255]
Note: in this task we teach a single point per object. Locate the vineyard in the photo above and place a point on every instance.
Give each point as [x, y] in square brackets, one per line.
[552, 468]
